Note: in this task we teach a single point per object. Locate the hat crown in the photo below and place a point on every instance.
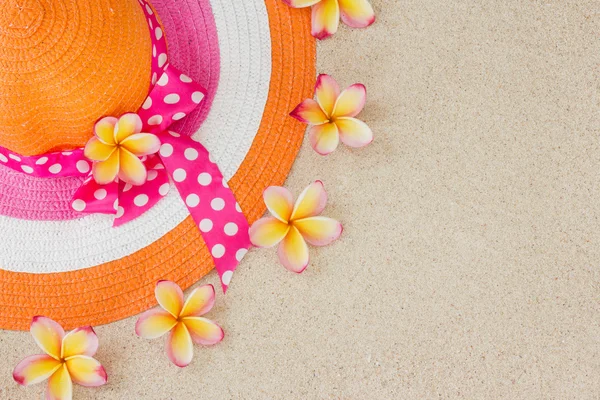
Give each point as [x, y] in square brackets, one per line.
[66, 63]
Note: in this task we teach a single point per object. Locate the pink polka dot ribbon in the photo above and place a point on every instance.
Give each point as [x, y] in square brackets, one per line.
[197, 178]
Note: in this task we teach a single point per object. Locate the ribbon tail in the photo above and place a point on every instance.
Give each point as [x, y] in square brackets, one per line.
[92, 198]
[210, 202]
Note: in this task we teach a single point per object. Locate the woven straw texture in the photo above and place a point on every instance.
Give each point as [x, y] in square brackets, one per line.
[46, 46]
[117, 289]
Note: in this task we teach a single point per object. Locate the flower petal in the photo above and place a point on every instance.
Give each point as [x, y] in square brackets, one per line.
[203, 331]
[95, 150]
[132, 169]
[309, 112]
[105, 130]
[280, 202]
[180, 348]
[86, 371]
[48, 334]
[351, 102]
[170, 297]
[106, 171]
[199, 302]
[327, 91]
[319, 231]
[154, 323]
[142, 144]
[35, 369]
[60, 386]
[80, 341]
[354, 132]
[324, 138]
[129, 124]
[311, 202]
[325, 18]
[293, 251]
[357, 13]
[267, 232]
[300, 3]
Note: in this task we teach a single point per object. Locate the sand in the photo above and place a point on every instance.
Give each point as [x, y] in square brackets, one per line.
[469, 265]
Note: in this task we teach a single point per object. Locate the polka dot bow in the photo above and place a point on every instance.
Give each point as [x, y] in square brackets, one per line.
[131, 171]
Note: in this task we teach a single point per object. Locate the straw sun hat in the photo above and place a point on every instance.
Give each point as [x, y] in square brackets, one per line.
[66, 64]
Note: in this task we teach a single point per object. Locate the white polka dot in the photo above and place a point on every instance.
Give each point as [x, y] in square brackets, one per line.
[3, 158]
[226, 278]
[185, 79]
[42, 161]
[217, 204]
[164, 79]
[178, 116]
[164, 189]
[79, 205]
[153, 46]
[158, 32]
[218, 251]
[166, 150]
[159, 166]
[154, 78]
[172, 98]
[231, 229]
[67, 153]
[120, 212]
[204, 179]
[83, 166]
[55, 169]
[116, 204]
[162, 60]
[27, 169]
[152, 174]
[140, 200]
[155, 120]
[100, 194]
[238, 208]
[190, 154]
[127, 187]
[192, 200]
[14, 157]
[174, 134]
[149, 10]
[179, 175]
[239, 255]
[197, 97]
[206, 225]
[148, 103]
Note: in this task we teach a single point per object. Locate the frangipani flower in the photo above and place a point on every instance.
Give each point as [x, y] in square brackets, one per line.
[326, 14]
[117, 147]
[68, 359]
[332, 116]
[292, 225]
[182, 320]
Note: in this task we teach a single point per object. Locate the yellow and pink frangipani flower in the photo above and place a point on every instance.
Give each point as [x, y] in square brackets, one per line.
[67, 359]
[182, 320]
[332, 116]
[117, 147]
[326, 14]
[293, 225]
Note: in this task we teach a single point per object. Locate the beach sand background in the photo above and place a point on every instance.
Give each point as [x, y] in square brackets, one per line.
[469, 265]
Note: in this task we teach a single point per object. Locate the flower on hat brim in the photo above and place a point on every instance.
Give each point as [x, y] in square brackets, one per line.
[117, 147]
[68, 358]
[326, 14]
[182, 320]
[293, 225]
[332, 116]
